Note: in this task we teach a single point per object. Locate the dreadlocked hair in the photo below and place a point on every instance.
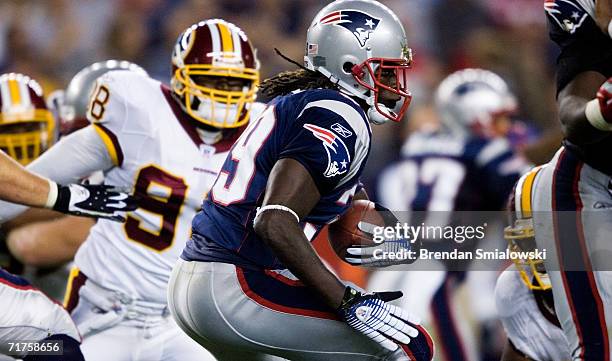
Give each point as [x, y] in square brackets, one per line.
[288, 81]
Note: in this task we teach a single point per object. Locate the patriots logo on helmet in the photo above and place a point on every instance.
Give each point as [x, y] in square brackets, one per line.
[338, 157]
[566, 14]
[361, 24]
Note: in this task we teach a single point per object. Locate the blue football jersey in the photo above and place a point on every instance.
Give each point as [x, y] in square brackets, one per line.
[327, 132]
[442, 172]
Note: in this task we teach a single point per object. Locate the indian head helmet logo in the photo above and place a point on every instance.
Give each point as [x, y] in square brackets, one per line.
[361, 24]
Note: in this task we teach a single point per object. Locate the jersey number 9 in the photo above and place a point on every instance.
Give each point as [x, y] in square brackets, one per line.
[161, 196]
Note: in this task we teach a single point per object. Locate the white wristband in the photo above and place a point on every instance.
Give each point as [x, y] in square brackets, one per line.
[594, 116]
[277, 207]
[52, 196]
[610, 29]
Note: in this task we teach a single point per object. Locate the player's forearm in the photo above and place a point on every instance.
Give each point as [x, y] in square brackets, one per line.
[283, 235]
[20, 186]
[572, 105]
[50, 243]
[31, 215]
[603, 15]
[576, 127]
[73, 158]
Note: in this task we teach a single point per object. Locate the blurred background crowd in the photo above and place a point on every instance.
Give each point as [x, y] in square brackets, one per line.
[51, 40]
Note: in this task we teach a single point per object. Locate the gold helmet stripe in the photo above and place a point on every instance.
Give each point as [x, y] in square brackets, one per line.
[14, 91]
[525, 195]
[226, 38]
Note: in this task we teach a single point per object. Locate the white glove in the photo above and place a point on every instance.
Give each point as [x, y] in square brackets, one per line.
[371, 315]
[374, 256]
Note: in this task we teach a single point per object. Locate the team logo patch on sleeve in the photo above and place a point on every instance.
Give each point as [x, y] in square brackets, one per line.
[338, 157]
[568, 15]
[361, 24]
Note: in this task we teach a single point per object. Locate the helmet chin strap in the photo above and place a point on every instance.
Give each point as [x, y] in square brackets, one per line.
[209, 137]
[342, 84]
[374, 115]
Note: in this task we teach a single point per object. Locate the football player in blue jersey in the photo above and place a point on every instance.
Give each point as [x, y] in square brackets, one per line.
[465, 165]
[573, 199]
[248, 282]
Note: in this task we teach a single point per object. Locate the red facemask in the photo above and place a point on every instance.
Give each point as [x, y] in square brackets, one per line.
[379, 68]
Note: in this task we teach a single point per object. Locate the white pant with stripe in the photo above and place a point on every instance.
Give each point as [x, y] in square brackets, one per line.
[573, 221]
[118, 328]
[243, 315]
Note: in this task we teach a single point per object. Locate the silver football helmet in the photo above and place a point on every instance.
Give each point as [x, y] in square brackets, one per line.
[469, 100]
[361, 46]
[71, 104]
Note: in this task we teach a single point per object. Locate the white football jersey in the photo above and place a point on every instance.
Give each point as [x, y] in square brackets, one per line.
[526, 326]
[159, 156]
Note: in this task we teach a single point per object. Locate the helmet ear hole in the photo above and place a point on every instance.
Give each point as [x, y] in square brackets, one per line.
[347, 67]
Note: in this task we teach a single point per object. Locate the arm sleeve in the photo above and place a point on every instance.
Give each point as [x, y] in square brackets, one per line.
[71, 159]
[108, 111]
[326, 154]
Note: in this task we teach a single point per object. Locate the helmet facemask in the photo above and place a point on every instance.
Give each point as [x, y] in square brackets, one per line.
[219, 53]
[212, 106]
[385, 79]
[27, 127]
[521, 238]
[26, 136]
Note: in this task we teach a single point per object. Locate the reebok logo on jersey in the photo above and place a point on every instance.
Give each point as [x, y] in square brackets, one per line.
[566, 14]
[338, 128]
[338, 157]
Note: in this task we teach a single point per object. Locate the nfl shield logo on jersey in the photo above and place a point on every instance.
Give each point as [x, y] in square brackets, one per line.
[362, 25]
[338, 158]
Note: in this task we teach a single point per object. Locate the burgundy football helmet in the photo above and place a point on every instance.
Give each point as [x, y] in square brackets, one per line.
[208, 50]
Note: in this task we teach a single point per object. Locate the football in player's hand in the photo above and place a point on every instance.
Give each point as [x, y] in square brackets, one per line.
[347, 231]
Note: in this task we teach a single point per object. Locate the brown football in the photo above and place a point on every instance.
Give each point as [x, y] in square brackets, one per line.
[345, 232]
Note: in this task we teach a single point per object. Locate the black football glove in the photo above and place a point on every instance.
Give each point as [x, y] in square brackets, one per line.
[98, 201]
